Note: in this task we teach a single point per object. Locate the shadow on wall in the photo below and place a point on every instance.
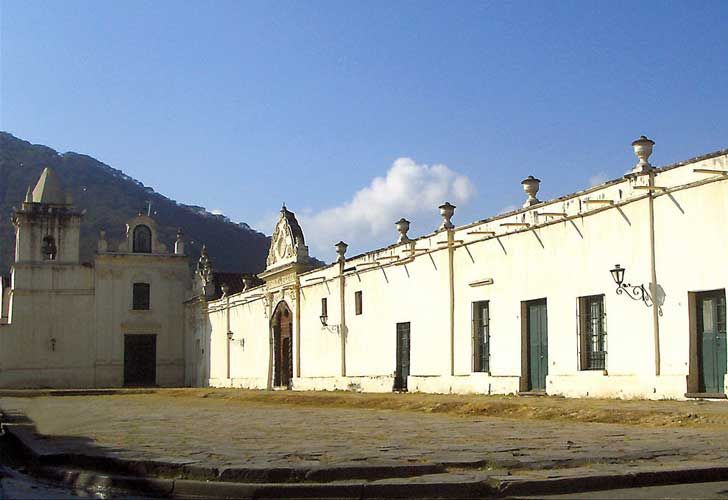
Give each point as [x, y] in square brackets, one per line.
[659, 298]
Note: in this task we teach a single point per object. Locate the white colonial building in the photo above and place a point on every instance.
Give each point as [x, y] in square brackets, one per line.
[118, 321]
[614, 291]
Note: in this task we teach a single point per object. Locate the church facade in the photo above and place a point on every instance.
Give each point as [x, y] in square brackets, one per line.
[614, 291]
[67, 324]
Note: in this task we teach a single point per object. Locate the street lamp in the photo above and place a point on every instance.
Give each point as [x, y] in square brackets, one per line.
[634, 292]
[618, 274]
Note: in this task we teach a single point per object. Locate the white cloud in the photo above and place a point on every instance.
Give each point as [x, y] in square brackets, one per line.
[408, 189]
[508, 208]
[598, 178]
[216, 211]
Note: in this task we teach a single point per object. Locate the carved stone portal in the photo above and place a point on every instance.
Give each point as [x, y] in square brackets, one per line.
[287, 244]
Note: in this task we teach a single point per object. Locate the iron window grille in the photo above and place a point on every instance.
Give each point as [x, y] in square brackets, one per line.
[140, 300]
[481, 337]
[592, 333]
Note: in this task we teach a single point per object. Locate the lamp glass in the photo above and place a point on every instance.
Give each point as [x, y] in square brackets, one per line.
[618, 274]
[323, 319]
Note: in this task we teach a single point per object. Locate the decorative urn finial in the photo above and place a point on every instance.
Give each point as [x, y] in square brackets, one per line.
[247, 282]
[530, 186]
[643, 150]
[403, 226]
[447, 211]
[341, 250]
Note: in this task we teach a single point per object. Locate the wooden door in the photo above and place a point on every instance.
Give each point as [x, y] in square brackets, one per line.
[538, 352]
[711, 316]
[403, 357]
[140, 360]
[283, 344]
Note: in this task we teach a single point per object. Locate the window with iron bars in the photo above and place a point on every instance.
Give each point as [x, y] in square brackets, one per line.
[592, 331]
[481, 337]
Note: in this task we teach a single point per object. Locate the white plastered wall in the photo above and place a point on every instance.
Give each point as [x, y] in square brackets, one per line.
[559, 258]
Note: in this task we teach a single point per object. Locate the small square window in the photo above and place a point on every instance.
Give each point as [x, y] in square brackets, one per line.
[357, 302]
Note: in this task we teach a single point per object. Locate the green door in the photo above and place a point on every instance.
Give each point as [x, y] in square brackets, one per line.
[538, 347]
[403, 357]
[711, 340]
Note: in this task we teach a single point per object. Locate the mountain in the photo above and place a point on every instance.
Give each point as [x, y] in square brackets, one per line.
[110, 198]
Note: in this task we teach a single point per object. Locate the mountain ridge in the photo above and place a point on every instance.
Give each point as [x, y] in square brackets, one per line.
[110, 198]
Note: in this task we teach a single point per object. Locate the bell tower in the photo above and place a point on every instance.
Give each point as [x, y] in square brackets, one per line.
[47, 227]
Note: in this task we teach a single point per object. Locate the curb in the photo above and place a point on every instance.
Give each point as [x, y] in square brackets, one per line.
[44, 453]
[609, 481]
[212, 489]
[343, 481]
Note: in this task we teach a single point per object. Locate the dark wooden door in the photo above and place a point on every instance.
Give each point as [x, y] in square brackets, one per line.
[538, 349]
[283, 343]
[712, 352]
[140, 360]
[403, 357]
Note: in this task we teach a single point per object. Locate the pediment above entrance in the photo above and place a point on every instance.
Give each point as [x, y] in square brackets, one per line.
[287, 245]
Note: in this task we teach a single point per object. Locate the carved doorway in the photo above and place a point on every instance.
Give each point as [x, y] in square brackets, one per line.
[282, 323]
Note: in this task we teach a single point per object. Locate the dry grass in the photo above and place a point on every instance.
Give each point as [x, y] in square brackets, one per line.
[631, 412]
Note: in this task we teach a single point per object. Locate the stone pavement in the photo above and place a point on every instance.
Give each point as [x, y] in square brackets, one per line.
[218, 433]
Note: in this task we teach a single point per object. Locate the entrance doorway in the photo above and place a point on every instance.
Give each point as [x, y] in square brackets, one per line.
[283, 341]
[140, 360]
[536, 344]
[403, 357]
[711, 330]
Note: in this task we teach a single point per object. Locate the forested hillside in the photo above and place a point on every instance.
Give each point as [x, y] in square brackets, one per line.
[110, 198]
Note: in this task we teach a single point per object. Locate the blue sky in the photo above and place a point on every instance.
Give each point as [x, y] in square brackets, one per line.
[240, 106]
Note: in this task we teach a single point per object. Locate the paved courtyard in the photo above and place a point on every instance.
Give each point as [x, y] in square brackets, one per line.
[221, 430]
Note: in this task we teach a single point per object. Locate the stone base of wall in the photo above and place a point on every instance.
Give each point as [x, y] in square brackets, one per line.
[473, 383]
[48, 378]
[587, 384]
[597, 384]
[168, 374]
[381, 383]
[240, 383]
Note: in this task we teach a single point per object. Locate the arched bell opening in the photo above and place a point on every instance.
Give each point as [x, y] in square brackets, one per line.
[282, 324]
[142, 239]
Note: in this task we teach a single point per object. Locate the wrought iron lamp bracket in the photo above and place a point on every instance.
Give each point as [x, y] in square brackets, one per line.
[635, 292]
[333, 328]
